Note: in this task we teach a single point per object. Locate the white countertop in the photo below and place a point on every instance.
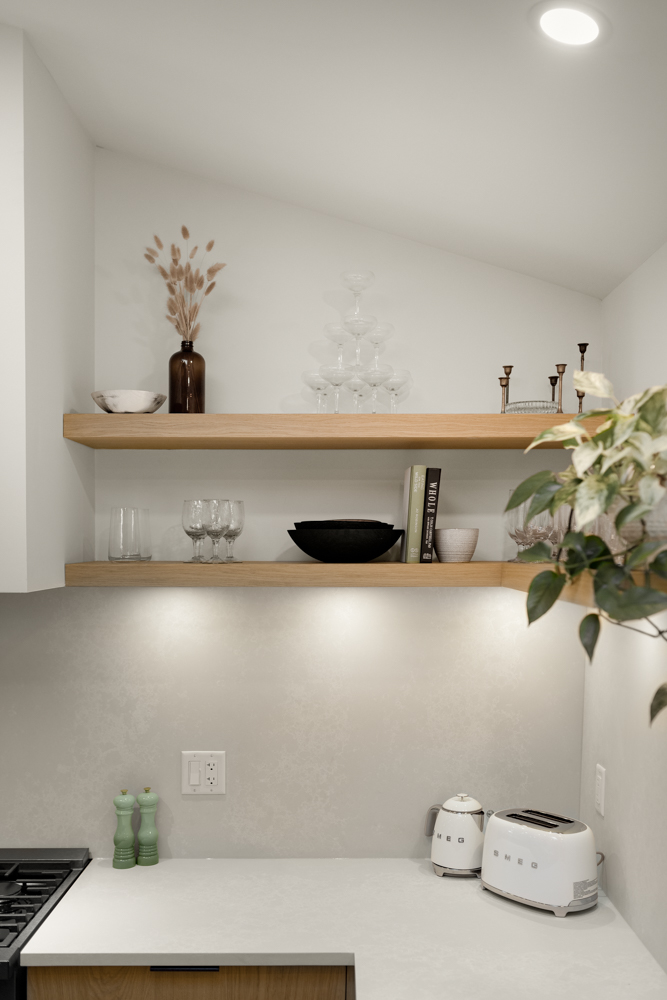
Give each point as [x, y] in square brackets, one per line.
[410, 935]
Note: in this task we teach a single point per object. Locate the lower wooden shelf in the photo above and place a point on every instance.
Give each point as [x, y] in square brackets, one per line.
[305, 574]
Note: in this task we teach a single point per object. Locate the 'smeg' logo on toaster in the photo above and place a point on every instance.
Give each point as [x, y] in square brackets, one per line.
[519, 861]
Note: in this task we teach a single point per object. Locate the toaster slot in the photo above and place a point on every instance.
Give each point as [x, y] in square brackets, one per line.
[556, 819]
[533, 821]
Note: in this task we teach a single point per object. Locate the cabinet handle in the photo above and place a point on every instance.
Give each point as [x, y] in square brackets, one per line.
[185, 968]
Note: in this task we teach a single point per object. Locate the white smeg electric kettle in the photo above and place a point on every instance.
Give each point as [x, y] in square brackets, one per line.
[457, 828]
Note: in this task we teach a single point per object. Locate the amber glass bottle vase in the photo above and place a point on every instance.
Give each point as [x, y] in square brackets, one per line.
[187, 380]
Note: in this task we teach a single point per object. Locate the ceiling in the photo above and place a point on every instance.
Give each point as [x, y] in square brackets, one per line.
[451, 122]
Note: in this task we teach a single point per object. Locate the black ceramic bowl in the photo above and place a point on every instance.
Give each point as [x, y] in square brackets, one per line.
[345, 545]
[350, 522]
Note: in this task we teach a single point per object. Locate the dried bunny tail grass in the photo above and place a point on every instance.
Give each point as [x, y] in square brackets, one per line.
[210, 288]
[171, 288]
[152, 251]
[210, 245]
[171, 319]
[158, 243]
[188, 267]
[163, 272]
[171, 306]
[213, 270]
[173, 273]
[193, 252]
[185, 233]
[173, 251]
[200, 282]
[195, 333]
[180, 272]
[149, 258]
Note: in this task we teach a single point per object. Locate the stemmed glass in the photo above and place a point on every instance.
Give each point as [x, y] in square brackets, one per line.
[319, 386]
[375, 377]
[540, 529]
[340, 337]
[377, 336]
[216, 520]
[335, 376]
[393, 385]
[359, 390]
[193, 526]
[357, 281]
[235, 528]
[359, 326]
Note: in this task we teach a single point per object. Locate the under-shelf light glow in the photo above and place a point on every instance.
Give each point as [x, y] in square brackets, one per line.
[569, 26]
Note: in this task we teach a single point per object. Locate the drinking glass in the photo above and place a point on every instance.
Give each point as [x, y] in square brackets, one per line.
[217, 519]
[394, 384]
[193, 525]
[375, 377]
[340, 337]
[336, 376]
[377, 337]
[319, 386]
[540, 529]
[129, 534]
[359, 390]
[359, 326]
[235, 528]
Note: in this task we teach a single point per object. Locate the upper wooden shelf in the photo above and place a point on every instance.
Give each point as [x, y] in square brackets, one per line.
[307, 430]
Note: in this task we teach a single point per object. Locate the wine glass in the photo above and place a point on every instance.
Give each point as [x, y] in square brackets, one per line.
[319, 386]
[359, 390]
[235, 528]
[335, 376]
[217, 519]
[340, 337]
[540, 529]
[193, 526]
[377, 336]
[375, 377]
[393, 385]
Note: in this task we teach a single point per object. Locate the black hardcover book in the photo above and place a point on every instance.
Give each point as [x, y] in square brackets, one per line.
[430, 512]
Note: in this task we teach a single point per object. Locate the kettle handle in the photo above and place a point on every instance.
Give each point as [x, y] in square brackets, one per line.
[431, 816]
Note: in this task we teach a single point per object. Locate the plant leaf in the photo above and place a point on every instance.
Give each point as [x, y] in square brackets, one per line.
[639, 555]
[659, 565]
[542, 500]
[590, 500]
[562, 432]
[543, 592]
[659, 701]
[632, 512]
[631, 603]
[540, 552]
[584, 456]
[594, 383]
[651, 491]
[529, 486]
[585, 552]
[589, 630]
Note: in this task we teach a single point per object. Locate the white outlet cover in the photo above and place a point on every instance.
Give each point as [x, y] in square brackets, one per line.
[600, 781]
[203, 772]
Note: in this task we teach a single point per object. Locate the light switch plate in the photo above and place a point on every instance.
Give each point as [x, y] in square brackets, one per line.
[600, 780]
[203, 772]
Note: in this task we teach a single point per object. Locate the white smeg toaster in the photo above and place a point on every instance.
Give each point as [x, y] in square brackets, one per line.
[540, 859]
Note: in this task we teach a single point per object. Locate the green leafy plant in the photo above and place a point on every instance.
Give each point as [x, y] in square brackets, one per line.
[619, 469]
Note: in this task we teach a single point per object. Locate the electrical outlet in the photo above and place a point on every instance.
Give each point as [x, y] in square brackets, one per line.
[600, 777]
[203, 772]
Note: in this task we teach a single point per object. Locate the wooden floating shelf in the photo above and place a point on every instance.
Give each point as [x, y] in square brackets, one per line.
[514, 576]
[307, 430]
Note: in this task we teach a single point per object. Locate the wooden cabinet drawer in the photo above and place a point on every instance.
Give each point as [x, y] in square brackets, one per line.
[235, 982]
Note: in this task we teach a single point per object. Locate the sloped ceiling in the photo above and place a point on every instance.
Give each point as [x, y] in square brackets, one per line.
[452, 122]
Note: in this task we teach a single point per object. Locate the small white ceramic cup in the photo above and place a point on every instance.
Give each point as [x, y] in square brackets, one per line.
[456, 544]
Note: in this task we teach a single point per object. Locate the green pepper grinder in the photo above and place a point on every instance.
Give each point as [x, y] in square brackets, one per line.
[147, 835]
[123, 855]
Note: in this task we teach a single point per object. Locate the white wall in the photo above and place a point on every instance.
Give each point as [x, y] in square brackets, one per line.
[47, 274]
[344, 713]
[627, 668]
[457, 320]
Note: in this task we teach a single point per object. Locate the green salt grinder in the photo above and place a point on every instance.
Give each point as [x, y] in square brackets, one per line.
[123, 855]
[147, 835]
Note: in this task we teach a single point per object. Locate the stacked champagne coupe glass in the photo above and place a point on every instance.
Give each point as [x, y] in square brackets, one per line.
[362, 380]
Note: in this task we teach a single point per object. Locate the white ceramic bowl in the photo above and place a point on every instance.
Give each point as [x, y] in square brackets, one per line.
[128, 400]
[456, 544]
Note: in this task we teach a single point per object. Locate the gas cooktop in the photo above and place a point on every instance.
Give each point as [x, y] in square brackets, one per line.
[32, 881]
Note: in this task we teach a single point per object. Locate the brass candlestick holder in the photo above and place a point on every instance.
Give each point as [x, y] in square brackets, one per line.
[561, 371]
[504, 388]
[580, 394]
[508, 371]
[553, 379]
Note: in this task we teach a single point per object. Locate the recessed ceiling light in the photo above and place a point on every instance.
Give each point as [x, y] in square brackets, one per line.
[570, 23]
